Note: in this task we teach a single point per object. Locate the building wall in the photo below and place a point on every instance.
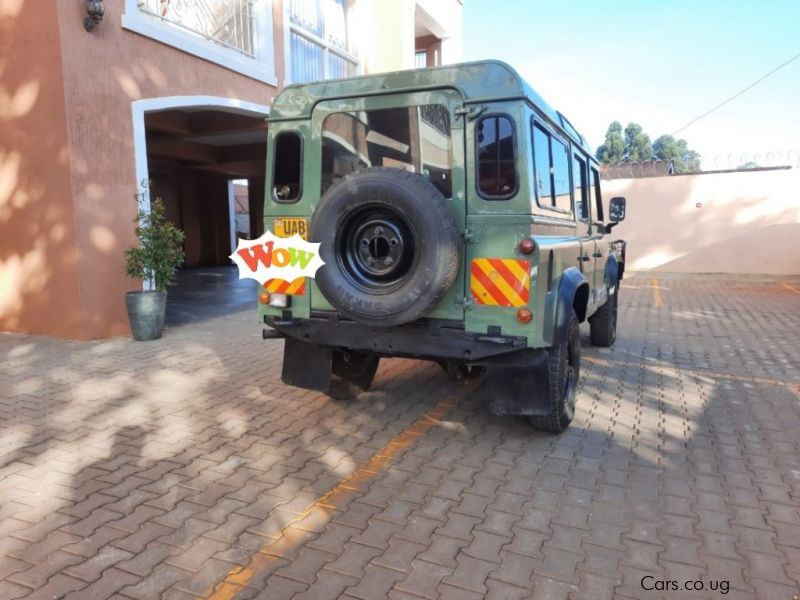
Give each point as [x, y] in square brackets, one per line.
[68, 140]
[67, 165]
[39, 281]
[444, 19]
[124, 67]
[386, 35]
[747, 222]
[387, 31]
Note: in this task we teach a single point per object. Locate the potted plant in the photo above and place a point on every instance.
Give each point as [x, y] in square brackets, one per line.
[155, 260]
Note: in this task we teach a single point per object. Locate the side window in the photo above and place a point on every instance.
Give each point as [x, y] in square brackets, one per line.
[551, 166]
[597, 199]
[579, 185]
[561, 185]
[288, 168]
[497, 157]
[541, 159]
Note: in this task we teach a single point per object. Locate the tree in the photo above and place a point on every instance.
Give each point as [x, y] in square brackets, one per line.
[637, 144]
[613, 150]
[633, 145]
[683, 159]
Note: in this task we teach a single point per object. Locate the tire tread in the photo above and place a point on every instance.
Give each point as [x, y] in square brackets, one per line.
[556, 421]
[603, 324]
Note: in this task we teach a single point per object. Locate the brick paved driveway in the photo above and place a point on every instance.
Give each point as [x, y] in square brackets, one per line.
[183, 468]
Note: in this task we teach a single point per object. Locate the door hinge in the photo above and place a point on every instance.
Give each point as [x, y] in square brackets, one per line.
[470, 112]
[583, 258]
[598, 255]
[469, 236]
[466, 302]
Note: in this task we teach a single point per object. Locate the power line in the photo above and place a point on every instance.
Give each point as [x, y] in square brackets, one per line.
[737, 94]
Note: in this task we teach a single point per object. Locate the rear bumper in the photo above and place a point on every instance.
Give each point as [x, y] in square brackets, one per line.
[427, 339]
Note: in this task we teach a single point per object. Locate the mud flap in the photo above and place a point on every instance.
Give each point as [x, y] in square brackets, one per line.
[306, 366]
[518, 390]
[359, 369]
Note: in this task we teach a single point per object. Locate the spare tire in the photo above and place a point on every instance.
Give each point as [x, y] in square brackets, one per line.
[390, 243]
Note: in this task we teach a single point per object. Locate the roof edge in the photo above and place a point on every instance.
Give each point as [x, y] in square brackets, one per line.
[478, 81]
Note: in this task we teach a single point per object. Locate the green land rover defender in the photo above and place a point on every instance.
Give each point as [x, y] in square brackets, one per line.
[460, 221]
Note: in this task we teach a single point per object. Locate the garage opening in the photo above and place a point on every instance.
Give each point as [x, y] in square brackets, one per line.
[207, 166]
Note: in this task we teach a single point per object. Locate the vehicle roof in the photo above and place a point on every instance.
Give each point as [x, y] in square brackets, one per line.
[482, 81]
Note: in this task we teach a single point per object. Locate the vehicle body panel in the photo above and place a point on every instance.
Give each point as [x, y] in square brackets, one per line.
[571, 255]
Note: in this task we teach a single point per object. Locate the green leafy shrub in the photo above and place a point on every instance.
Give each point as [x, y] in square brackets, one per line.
[160, 251]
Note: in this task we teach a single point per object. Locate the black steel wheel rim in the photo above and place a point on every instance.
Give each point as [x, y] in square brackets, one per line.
[376, 249]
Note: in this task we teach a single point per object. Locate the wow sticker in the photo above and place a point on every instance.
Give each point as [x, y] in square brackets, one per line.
[270, 257]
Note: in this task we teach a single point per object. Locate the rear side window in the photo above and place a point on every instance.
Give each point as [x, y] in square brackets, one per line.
[579, 185]
[287, 174]
[497, 157]
[597, 199]
[551, 165]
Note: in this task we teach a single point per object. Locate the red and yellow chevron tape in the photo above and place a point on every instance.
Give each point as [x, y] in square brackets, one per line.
[500, 281]
[281, 286]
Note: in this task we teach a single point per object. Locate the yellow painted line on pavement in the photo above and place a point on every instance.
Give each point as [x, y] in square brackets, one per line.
[317, 514]
[654, 283]
[791, 288]
[792, 386]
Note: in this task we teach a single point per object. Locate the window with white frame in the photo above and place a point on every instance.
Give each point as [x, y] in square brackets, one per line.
[236, 34]
[319, 45]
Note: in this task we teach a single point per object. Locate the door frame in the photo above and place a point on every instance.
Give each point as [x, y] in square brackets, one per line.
[139, 108]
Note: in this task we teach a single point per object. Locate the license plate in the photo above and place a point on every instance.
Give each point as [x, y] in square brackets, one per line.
[287, 227]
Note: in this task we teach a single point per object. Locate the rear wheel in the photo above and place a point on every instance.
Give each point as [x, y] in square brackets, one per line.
[560, 383]
[603, 324]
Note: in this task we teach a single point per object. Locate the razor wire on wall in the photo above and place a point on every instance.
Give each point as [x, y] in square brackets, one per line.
[752, 160]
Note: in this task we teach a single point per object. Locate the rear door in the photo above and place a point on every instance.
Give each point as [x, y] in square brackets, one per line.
[498, 217]
[583, 212]
[601, 250]
[422, 133]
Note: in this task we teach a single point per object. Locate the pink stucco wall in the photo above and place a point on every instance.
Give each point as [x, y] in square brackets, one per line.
[741, 222]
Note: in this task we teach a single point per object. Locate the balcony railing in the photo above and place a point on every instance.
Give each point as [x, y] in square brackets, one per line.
[228, 23]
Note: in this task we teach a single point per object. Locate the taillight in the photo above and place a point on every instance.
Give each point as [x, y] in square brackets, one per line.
[263, 297]
[527, 246]
[524, 315]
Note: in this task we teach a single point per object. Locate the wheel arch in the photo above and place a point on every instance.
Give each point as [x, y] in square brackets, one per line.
[572, 295]
[580, 301]
[612, 271]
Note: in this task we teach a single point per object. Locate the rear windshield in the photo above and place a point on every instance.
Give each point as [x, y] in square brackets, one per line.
[416, 139]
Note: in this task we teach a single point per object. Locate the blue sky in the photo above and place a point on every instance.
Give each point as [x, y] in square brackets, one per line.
[658, 63]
